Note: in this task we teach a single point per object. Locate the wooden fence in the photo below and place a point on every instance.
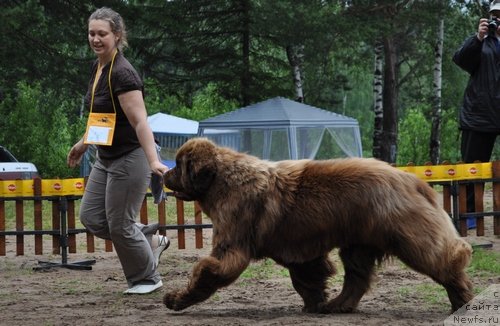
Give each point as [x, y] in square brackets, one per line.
[454, 179]
[63, 207]
[64, 229]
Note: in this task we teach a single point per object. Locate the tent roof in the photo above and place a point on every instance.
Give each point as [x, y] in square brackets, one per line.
[162, 123]
[278, 112]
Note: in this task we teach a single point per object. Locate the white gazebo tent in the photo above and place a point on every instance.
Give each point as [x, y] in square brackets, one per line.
[171, 132]
[279, 129]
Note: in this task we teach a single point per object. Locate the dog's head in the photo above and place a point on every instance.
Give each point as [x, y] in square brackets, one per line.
[195, 168]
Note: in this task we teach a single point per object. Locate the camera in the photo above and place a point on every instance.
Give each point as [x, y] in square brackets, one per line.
[493, 25]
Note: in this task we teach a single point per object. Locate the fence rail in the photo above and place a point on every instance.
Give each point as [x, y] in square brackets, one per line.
[62, 196]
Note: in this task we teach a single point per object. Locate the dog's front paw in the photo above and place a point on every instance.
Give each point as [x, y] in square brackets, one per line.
[173, 301]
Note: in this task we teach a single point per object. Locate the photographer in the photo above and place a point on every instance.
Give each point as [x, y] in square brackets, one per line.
[479, 120]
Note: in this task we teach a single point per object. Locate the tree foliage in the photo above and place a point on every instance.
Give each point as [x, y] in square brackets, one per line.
[36, 129]
[205, 57]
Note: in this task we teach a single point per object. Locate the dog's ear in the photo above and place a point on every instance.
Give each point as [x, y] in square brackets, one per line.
[200, 177]
[199, 156]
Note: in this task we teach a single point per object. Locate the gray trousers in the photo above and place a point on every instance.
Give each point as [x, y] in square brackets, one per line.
[111, 202]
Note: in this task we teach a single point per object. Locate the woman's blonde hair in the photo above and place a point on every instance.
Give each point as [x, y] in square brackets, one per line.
[115, 21]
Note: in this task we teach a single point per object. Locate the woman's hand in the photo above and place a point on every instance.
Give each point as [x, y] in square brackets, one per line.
[76, 153]
[159, 168]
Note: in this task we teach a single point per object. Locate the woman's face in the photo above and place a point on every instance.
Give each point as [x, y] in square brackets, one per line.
[102, 40]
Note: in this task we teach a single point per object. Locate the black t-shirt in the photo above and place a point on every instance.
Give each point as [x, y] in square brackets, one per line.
[124, 78]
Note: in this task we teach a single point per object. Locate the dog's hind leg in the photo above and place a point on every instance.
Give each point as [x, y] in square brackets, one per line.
[359, 263]
[445, 263]
[309, 280]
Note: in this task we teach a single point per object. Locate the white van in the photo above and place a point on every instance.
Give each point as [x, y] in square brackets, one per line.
[17, 171]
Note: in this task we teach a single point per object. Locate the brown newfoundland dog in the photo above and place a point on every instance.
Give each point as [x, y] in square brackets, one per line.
[296, 212]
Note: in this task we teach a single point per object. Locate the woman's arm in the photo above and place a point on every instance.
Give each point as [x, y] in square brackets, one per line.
[132, 104]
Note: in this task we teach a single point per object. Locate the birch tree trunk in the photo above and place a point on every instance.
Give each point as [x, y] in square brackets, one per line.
[295, 57]
[377, 99]
[436, 103]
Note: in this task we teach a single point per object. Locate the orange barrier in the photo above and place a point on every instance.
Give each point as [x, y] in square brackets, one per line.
[450, 172]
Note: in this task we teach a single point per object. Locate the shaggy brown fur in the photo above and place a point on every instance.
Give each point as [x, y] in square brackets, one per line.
[296, 212]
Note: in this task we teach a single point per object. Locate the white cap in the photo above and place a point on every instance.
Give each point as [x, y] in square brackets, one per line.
[495, 5]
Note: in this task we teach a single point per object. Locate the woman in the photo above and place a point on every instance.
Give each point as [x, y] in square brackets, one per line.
[126, 155]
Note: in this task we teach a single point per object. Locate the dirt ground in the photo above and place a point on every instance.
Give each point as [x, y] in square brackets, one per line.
[61, 296]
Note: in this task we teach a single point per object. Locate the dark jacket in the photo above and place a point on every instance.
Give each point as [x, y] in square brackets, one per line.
[481, 104]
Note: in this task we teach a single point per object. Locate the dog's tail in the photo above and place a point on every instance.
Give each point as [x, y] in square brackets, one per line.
[460, 254]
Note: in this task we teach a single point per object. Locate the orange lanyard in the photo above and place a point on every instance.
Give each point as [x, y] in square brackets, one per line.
[109, 84]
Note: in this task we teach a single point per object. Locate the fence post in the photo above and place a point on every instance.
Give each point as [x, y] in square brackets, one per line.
[198, 232]
[181, 234]
[89, 236]
[38, 216]
[479, 207]
[162, 217]
[447, 198]
[108, 245]
[462, 208]
[56, 225]
[19, 227]
[2, 228]
[144, 211]
[90, 242]
[71, 224]
[496, 197]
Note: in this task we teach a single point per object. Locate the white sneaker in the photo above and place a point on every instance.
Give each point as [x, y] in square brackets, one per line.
[144, 288]
[163, 244]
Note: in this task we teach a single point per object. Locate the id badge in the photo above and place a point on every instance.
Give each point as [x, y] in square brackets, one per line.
[100, 129]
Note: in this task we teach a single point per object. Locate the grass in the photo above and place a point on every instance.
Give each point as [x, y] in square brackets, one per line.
[264, 269]
[484, 263]
[10, 269]
[433, 294]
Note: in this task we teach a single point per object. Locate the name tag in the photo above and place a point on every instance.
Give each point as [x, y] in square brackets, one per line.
[100, 129]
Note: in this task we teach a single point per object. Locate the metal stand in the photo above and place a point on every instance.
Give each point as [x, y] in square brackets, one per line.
[63, 242]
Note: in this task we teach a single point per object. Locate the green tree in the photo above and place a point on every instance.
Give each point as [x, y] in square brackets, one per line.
[206, 103]
[37, 130]
[414, 138]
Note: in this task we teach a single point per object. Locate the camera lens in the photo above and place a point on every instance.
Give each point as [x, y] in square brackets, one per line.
[492, 26]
